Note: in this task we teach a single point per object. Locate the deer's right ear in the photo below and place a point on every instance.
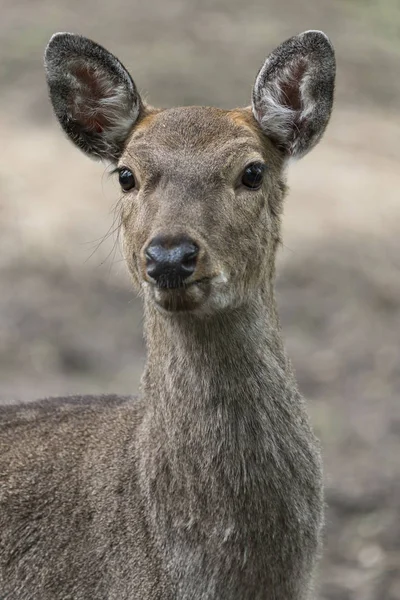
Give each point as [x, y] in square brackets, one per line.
[93, 95]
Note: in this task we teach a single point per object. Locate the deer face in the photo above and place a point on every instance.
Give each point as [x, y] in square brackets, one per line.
[200, 210]
[202, 188]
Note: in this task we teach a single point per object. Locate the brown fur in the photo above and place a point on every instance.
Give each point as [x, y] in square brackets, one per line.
[208, 486]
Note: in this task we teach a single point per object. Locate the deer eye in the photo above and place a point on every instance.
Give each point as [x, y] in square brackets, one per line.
[253, 175]
[126, 179]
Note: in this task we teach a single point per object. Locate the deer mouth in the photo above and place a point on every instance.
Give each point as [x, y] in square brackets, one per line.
[179, 284]
[187, 296]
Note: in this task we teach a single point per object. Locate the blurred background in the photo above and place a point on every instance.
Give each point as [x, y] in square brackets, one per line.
[69, 321]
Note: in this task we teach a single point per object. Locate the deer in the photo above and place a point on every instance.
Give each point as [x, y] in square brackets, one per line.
[209, 484]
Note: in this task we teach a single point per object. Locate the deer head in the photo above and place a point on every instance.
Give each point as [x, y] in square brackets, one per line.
[202, 187]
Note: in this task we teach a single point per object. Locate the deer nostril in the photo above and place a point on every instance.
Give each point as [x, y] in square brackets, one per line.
[187, 267]
[189, 258]
[151, 254]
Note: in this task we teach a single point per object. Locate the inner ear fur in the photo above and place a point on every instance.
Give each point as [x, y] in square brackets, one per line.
[93, 95]
[293, 92]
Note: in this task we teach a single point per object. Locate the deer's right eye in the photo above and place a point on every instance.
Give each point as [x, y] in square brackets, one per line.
[126, 179]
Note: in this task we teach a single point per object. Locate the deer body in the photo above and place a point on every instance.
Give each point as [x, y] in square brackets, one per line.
[208, 486]
[114, 494]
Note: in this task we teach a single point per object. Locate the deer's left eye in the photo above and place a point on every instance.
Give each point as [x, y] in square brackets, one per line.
[253, 175]
[126, 179]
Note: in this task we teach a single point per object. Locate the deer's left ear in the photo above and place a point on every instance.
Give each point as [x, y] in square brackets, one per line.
[293, 93]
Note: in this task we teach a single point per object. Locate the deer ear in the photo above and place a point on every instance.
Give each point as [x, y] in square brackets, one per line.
[293, 93]
[92, 94]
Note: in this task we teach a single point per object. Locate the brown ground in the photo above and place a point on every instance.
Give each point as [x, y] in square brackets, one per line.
[70, 323]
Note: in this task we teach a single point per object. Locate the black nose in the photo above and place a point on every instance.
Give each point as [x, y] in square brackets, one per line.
[169, 261]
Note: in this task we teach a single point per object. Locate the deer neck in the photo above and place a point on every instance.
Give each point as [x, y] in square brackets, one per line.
[206, 380]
